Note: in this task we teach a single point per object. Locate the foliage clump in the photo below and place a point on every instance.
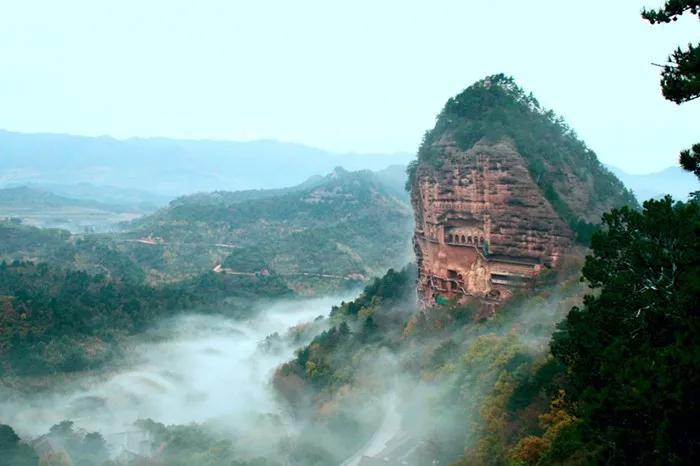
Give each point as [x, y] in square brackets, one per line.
[359, 326]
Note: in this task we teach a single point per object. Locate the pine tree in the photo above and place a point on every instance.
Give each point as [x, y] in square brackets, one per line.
[680, 78]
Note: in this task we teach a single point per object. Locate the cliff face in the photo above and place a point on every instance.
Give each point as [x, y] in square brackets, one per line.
[482, 224]
[500, 190]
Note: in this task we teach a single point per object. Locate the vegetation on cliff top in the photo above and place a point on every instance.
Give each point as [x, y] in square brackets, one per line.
[496, 109]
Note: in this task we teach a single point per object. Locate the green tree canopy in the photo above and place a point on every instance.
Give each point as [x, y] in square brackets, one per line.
[632, 351]
[13, 452]
[680, 79]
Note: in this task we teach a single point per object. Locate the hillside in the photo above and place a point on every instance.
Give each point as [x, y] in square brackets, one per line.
[457, 380]
[139, 199]
[325, 234]
[394, 178]
[57, 247]
[346, 224]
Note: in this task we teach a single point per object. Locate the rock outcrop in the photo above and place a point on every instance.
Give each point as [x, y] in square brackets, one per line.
[482, 224]
[488, 218]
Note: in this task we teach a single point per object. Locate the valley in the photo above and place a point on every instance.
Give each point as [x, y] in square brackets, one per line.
[181, 371]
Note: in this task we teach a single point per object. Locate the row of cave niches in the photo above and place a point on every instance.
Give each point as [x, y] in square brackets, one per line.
[461, 239]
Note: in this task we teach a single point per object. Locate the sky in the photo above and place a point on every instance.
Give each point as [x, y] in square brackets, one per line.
[346, 76]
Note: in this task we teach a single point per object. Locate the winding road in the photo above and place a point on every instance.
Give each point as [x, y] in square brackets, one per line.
[388, 430]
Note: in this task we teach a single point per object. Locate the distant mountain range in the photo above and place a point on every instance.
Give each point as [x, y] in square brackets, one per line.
[672, 180]
[170, 167]
[144, 174]
[27, 197]
[140, 199]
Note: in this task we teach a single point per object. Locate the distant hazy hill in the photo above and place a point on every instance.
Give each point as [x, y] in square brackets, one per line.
[673, 180]
[234, 197]
[167, 166]
[46, 209]
[340, 224]
[34, 198]
[131, 198]
[394, 178]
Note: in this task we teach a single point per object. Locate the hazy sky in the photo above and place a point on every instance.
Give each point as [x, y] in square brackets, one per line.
[357, 75]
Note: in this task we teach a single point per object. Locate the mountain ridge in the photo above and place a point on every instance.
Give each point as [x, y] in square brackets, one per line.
[183, 165]
[675, 181]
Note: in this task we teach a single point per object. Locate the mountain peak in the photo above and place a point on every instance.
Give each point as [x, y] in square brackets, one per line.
[500, 190]
[338, 172]
[494, 110]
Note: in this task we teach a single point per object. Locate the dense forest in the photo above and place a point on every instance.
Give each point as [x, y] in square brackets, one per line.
[61, 320]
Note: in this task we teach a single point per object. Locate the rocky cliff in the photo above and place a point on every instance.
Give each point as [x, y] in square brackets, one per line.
[500, 190]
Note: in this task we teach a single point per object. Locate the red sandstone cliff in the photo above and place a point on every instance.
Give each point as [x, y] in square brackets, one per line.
[500, 190]
[482, 225]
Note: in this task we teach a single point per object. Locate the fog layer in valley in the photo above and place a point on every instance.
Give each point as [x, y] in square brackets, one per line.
[192, 368]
